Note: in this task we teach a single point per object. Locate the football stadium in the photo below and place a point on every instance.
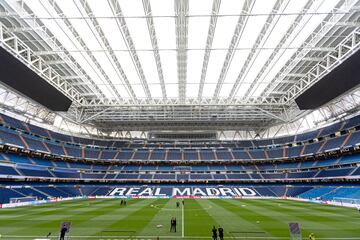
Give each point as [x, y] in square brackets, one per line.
[179, 119]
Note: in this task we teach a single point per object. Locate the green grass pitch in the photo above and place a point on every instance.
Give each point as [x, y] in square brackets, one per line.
[149, 218]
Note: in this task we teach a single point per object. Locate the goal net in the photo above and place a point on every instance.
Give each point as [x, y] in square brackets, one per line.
[347, 201]
[22, 199]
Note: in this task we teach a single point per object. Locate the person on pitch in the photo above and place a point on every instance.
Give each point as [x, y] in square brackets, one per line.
[221, 233]
[173, 225]
[63, 232]
[214, 233]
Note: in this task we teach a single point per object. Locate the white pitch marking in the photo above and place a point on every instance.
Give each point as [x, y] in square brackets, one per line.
[182, 219]
[187, 237]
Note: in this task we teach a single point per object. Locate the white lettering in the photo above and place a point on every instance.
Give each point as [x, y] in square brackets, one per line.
[198, 191]
[146, 191]
[118, 192]
[247, 192]
[133, 191]
[225, 191]
[212, 191]
[177, 192]
[157, 192]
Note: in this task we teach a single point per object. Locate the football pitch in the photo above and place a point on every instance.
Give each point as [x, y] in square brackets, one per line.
[150, 218]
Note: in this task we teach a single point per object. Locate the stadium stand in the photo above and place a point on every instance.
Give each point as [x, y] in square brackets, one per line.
[292, 159]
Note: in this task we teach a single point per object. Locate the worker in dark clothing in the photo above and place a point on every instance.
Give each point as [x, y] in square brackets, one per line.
[63, 232]
[221, 233]
[173, 225]
[214, 233]
[177, 204]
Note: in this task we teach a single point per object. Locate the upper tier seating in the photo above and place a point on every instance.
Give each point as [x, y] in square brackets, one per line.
[27, 127]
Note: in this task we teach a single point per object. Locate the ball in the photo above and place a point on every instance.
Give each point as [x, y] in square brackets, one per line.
[257, 222]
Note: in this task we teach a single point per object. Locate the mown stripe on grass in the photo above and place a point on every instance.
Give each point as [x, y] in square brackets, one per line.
[159, 225]
[133, 222]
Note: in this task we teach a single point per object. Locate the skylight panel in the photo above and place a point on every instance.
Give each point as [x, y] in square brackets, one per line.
[237, 62]
[107, 66]
[215, 64]
[192, 90]
[155, 90]
[139, 90]
[172, 90]
[127, 64]
[112, 34]
[224, 31]
[52, 25]
[132, 8]
[139, 32]
[225, 90]
[94, 74]
[80, 25]
[108, 25]
[209, 90]
[276, 67]
[198, 31]
[231, 6]
[279, 31]
[257, 90]
[251, 31]
[313, 22]
[284, 23]
[200, 7]
[195, 61]
[257, 65]
[149, 66]
[295, 6]
[169, 66]
[243, 87]
[122, 90]
[165, 32]
[162, 8]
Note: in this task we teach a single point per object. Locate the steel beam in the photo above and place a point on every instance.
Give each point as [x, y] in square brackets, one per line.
[154, 42]
[107, 45]
[181, 31]
[209, 41]
[121, 23]
[241, 23]
[265, 32]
